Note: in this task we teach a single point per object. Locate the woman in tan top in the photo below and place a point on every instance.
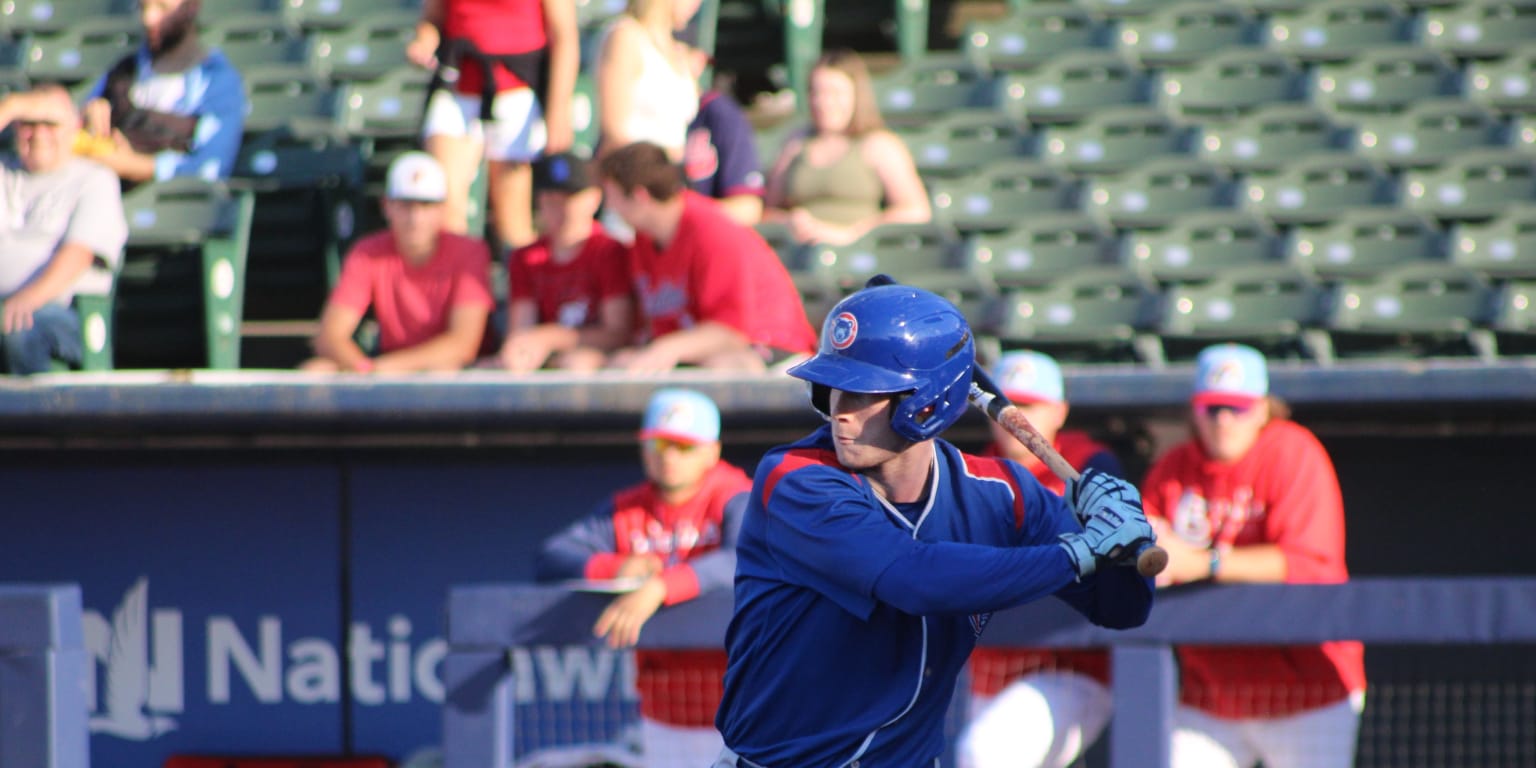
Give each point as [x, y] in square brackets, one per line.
[844, 174]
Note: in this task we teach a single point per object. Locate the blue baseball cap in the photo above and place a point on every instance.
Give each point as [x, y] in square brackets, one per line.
[1029, 377]
[1230, 374]
[682, 415]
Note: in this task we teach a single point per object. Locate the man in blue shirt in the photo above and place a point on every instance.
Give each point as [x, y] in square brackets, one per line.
[872, 553]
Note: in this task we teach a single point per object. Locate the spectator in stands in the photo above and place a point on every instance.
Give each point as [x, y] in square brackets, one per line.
[63, 213]
[505, 78]
[845, 174]
[1030, 707]
[429, 289]
[570, 295]
[172, 108]
[646, 86]
[712, 293]
[674, 534]
[720, 158]
[1253, 498]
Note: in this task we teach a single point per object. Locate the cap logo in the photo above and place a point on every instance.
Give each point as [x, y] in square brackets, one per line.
[1224, 376]
[676, 416]
[1020, 374]
[559, 169]
[845, 328]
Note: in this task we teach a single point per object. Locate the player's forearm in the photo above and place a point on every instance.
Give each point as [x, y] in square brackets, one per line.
[69, 262]
[699, 343]
[1254, 564]
[1122, 598]
[130, 165]
[944, 577]
[446, 352]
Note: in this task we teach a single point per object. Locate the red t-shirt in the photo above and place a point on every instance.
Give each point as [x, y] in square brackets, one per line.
[1283, 492]
[495, 27]
[676, 687]
[992, 669]
[571, 293]
[411, 304]
[716, 269]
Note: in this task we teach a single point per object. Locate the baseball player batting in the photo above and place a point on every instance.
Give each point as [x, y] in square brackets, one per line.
[872, 552]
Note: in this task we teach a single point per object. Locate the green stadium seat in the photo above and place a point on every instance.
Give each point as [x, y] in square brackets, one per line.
[1507, 84]
[1338, 29]
[1274, 308]
[1472, 185]
[1071, 86]
[1156, 192]
[27, 17]
[1113, 140]
[1426, 133]
[1502, 247]
[1412, 311]
[584, 117]
[1316, 188]
[1098, 315]
[1201, 246]
[82, 51]
[336, 14]
[919, 254]
[1270, 7]
[998, 196]
[1184, 32]
[1513, 318]
[1270, 136]
[387, 107]
[916, 91]
[1040, 250]
[365, 50]
[964, 141]
[1032, 36]
[1383, 79]
[1230, 82]
[1121, 9]
[1365, 242]
[289, 98]
[186, 258]
[252, 41]
[209, 11]
[1479, 28]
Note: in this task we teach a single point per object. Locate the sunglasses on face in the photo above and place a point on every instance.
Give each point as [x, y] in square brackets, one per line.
[660, 444]
[1214, 410]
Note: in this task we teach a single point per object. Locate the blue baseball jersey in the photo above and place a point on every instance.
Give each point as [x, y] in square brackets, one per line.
[854, 616]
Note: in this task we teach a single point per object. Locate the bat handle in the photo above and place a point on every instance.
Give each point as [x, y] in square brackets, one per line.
[1151, 560]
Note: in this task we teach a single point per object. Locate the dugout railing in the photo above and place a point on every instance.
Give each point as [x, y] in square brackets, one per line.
[487, 622]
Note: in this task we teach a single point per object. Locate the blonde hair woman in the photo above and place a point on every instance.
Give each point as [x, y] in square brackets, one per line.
[646, 90]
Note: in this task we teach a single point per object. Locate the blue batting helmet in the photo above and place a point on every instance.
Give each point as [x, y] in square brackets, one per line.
[896, 339]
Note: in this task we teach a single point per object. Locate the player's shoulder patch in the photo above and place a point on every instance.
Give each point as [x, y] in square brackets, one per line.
[795, 459]
[992, 469]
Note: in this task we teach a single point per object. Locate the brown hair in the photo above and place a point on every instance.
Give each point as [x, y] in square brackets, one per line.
[866, 108]
[644, 165]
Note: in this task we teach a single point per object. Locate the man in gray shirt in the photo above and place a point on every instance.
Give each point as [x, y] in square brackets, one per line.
[59, 215]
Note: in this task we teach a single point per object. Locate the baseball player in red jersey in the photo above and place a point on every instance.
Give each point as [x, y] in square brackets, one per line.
[1254, 498]
[1029, 706]
[569, 303]
[677, 533]
[712, 292]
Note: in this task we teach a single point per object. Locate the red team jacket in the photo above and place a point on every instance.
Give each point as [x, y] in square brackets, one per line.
[1283, 492]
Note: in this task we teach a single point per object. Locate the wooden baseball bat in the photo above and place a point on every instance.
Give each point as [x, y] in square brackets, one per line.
[986, 395]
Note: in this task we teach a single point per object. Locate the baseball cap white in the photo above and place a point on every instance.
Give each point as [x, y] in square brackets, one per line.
[681, 415]
[416, 176]
[1230, 374]
[1029, 377]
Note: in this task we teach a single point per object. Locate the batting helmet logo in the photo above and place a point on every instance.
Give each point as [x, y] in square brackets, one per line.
[845, 328]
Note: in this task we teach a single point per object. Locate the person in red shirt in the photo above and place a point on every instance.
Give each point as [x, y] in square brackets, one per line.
[429, 290]
[569, 302]
[1253, 497]
[503, 85]
[712, 292]
[1032, 707]
[675, 535]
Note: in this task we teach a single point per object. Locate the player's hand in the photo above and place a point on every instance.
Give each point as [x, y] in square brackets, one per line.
[18, 311]
[1115, 531]
[1089, 491]
[525, 352]
[1186, 562]
[638, 567]
[621, 621]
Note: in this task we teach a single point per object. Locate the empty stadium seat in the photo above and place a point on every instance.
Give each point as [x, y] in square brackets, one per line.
[1156, 192]
[1271, 136]
[1426, 133]
[389, 106]
[1071, 86]
[253, 41]
[919, 254]
[918, 90]
[1414, 311]
[1113, 140]
[1512, 320]
[1184, 32]
[1091, 316]
[1383, 79]
[288, 98]
[1275, 308]
[1032, 36]
[1507, 83]
[1365, 242]
[27, 17]
[1040, 249]
[1316, 188]
[1502, 247]
[1002, 194]
[365, 50]
[964, 141]
[335, 14]
[1479, 27]
[83, 51]
[1337, 29]
[1229, 82]
[1202, 246]
[1472, 185]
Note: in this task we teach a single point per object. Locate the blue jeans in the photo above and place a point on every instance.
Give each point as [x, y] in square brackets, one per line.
[54, 335]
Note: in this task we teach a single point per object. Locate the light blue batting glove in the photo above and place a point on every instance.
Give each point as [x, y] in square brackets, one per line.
[1088, 492]
[1115, 531]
